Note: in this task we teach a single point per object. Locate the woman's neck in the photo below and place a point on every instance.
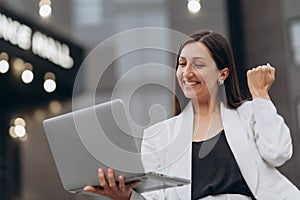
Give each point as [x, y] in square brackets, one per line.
[205, 107]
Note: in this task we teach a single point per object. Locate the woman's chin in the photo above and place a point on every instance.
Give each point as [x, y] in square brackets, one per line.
[197, 96]
[190, 95]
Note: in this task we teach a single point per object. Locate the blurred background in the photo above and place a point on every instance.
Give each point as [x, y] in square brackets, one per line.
[43, 44]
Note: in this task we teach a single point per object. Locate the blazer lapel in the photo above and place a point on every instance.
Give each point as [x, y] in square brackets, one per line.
[236, 135]
[183, 166]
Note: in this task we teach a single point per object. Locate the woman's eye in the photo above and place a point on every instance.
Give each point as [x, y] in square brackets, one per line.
[198, 65]
[181, 63]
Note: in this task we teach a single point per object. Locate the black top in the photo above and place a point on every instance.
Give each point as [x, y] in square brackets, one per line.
[214, 169]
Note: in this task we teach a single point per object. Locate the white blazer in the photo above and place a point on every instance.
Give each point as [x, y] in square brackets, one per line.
[258, 138]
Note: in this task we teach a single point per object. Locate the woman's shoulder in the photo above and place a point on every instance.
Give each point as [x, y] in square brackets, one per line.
[245, 106]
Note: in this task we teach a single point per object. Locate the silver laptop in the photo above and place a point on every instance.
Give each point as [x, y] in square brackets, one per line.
[99, 137]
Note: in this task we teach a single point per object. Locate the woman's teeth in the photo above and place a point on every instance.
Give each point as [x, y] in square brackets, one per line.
[190, 83]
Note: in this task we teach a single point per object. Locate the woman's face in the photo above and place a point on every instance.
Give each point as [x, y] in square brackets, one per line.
[197, 73]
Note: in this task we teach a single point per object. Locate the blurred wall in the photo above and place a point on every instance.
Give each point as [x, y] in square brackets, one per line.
[290, 14]
[265, 29]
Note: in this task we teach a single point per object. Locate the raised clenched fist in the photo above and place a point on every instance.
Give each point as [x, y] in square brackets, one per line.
[260, 80]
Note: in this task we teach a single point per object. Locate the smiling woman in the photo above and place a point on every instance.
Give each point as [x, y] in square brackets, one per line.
[229, 147]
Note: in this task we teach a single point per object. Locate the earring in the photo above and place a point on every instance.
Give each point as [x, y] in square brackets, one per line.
[220, 81]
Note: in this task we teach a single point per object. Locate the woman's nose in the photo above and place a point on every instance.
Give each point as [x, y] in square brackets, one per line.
[188, 70]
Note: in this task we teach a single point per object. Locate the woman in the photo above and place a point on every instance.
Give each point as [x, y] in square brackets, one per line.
[228, 148]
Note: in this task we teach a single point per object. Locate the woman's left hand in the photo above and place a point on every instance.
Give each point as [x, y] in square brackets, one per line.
[110, 188]
[260, 79]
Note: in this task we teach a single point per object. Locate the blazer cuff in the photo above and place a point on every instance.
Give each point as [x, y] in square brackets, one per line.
[263, 105]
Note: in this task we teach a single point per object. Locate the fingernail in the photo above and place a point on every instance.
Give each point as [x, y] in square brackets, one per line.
[99, 170]
[85, 188]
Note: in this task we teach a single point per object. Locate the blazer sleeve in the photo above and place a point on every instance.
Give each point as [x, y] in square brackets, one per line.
[271, 134]
[151, 162]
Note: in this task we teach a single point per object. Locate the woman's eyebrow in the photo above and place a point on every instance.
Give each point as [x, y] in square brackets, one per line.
[194, 58]
[198, 58]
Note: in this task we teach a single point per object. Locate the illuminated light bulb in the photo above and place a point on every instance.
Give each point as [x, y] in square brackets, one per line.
[4, 66]
[27, 76]
[18, 65]
[20, 121]
[45, 8]
[55, 107]
[45, 11]
[20, 131]
[12, 132]
[49, 85]
[3, 56]
[194, 6]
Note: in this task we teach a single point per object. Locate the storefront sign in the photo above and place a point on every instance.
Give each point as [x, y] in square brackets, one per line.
[38, 43]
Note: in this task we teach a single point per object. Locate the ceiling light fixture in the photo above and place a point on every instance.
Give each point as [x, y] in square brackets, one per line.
[45, 8]
[4, 65]
[27, 75]
[49, 83]
[194, 6]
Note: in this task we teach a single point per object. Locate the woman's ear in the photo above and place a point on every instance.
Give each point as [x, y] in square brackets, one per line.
[224, 73]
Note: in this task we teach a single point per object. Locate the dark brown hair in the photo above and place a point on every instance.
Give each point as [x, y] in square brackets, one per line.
[221, 52]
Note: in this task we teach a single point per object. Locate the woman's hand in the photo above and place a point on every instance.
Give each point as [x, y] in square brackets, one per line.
[260, 80]
[110, 188]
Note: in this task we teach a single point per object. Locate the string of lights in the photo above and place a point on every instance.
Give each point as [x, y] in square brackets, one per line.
[37, 67]
[24, 71]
